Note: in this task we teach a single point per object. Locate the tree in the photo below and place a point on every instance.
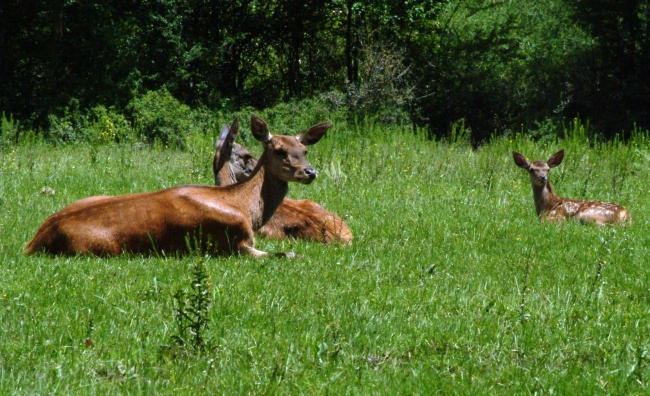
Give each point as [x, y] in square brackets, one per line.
[612, 88]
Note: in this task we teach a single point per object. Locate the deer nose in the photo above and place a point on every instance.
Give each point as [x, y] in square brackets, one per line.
[309, 172]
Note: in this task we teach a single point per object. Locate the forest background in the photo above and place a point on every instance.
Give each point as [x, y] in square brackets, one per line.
[499, 67]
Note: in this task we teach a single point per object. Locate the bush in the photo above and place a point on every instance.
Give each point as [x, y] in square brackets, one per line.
[97, 125]
[296, 115]
[160, 117]
[154, 117]
[70, 127]
[383, 90]
[107, 125]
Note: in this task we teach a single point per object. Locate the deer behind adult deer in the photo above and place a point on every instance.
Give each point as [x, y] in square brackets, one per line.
[302, 219]
[552, 208]
[177, 219]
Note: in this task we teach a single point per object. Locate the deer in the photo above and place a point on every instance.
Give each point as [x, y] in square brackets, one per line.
[179, 219]
[551, 208]
[299, 219]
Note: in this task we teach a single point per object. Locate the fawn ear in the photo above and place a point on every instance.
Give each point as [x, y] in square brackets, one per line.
[556, 159]
[260, 129]
[314, 133]
[520, 160]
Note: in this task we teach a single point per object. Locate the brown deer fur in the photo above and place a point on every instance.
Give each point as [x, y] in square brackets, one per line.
[550, 207]
[218, 219]
[303, 219]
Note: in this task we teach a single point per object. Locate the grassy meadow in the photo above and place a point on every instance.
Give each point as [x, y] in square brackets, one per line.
[452, 285]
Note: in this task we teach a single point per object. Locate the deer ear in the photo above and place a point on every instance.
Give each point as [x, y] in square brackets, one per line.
[234, 128]
[520, 160]
[260, 129]
[223, 148]
[314, 133]
[556, 159]
[226, 139]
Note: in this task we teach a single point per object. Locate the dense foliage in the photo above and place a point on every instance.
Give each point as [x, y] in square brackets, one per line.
[497, 65]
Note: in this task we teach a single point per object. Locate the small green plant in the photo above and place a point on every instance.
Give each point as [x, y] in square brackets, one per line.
[191, 312]
[545, 131]
[460, 134]
[577, 132]
[8, 131]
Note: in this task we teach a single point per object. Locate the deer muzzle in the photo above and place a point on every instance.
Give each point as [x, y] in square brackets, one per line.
[306, 175]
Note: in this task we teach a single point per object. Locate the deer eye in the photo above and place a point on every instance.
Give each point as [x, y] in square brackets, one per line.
[280, 152]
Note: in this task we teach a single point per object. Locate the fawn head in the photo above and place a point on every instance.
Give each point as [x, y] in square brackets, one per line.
[538, 170]
[284, 156]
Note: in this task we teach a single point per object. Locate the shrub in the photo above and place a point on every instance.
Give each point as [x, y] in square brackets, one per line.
[294, 115]
[8, 131]
[70, 127]
[107, 125]
[160, 117]
[383, 90]
[96, 125]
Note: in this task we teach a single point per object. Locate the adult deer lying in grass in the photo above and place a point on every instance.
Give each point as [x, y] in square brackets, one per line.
[219, 219]
[550, 207]
[304, 219]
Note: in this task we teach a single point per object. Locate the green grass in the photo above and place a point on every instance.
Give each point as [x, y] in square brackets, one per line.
[452, 285]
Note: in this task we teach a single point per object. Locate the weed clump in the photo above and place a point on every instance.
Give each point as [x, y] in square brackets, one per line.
[191, 310]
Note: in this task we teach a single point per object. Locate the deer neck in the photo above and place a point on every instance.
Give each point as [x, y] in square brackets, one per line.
[265, 193]
[545, 198]
[225, 176]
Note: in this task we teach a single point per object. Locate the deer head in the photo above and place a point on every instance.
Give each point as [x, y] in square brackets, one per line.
[232, 163]
[302, 219]
[538, 170]
[283, 155]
